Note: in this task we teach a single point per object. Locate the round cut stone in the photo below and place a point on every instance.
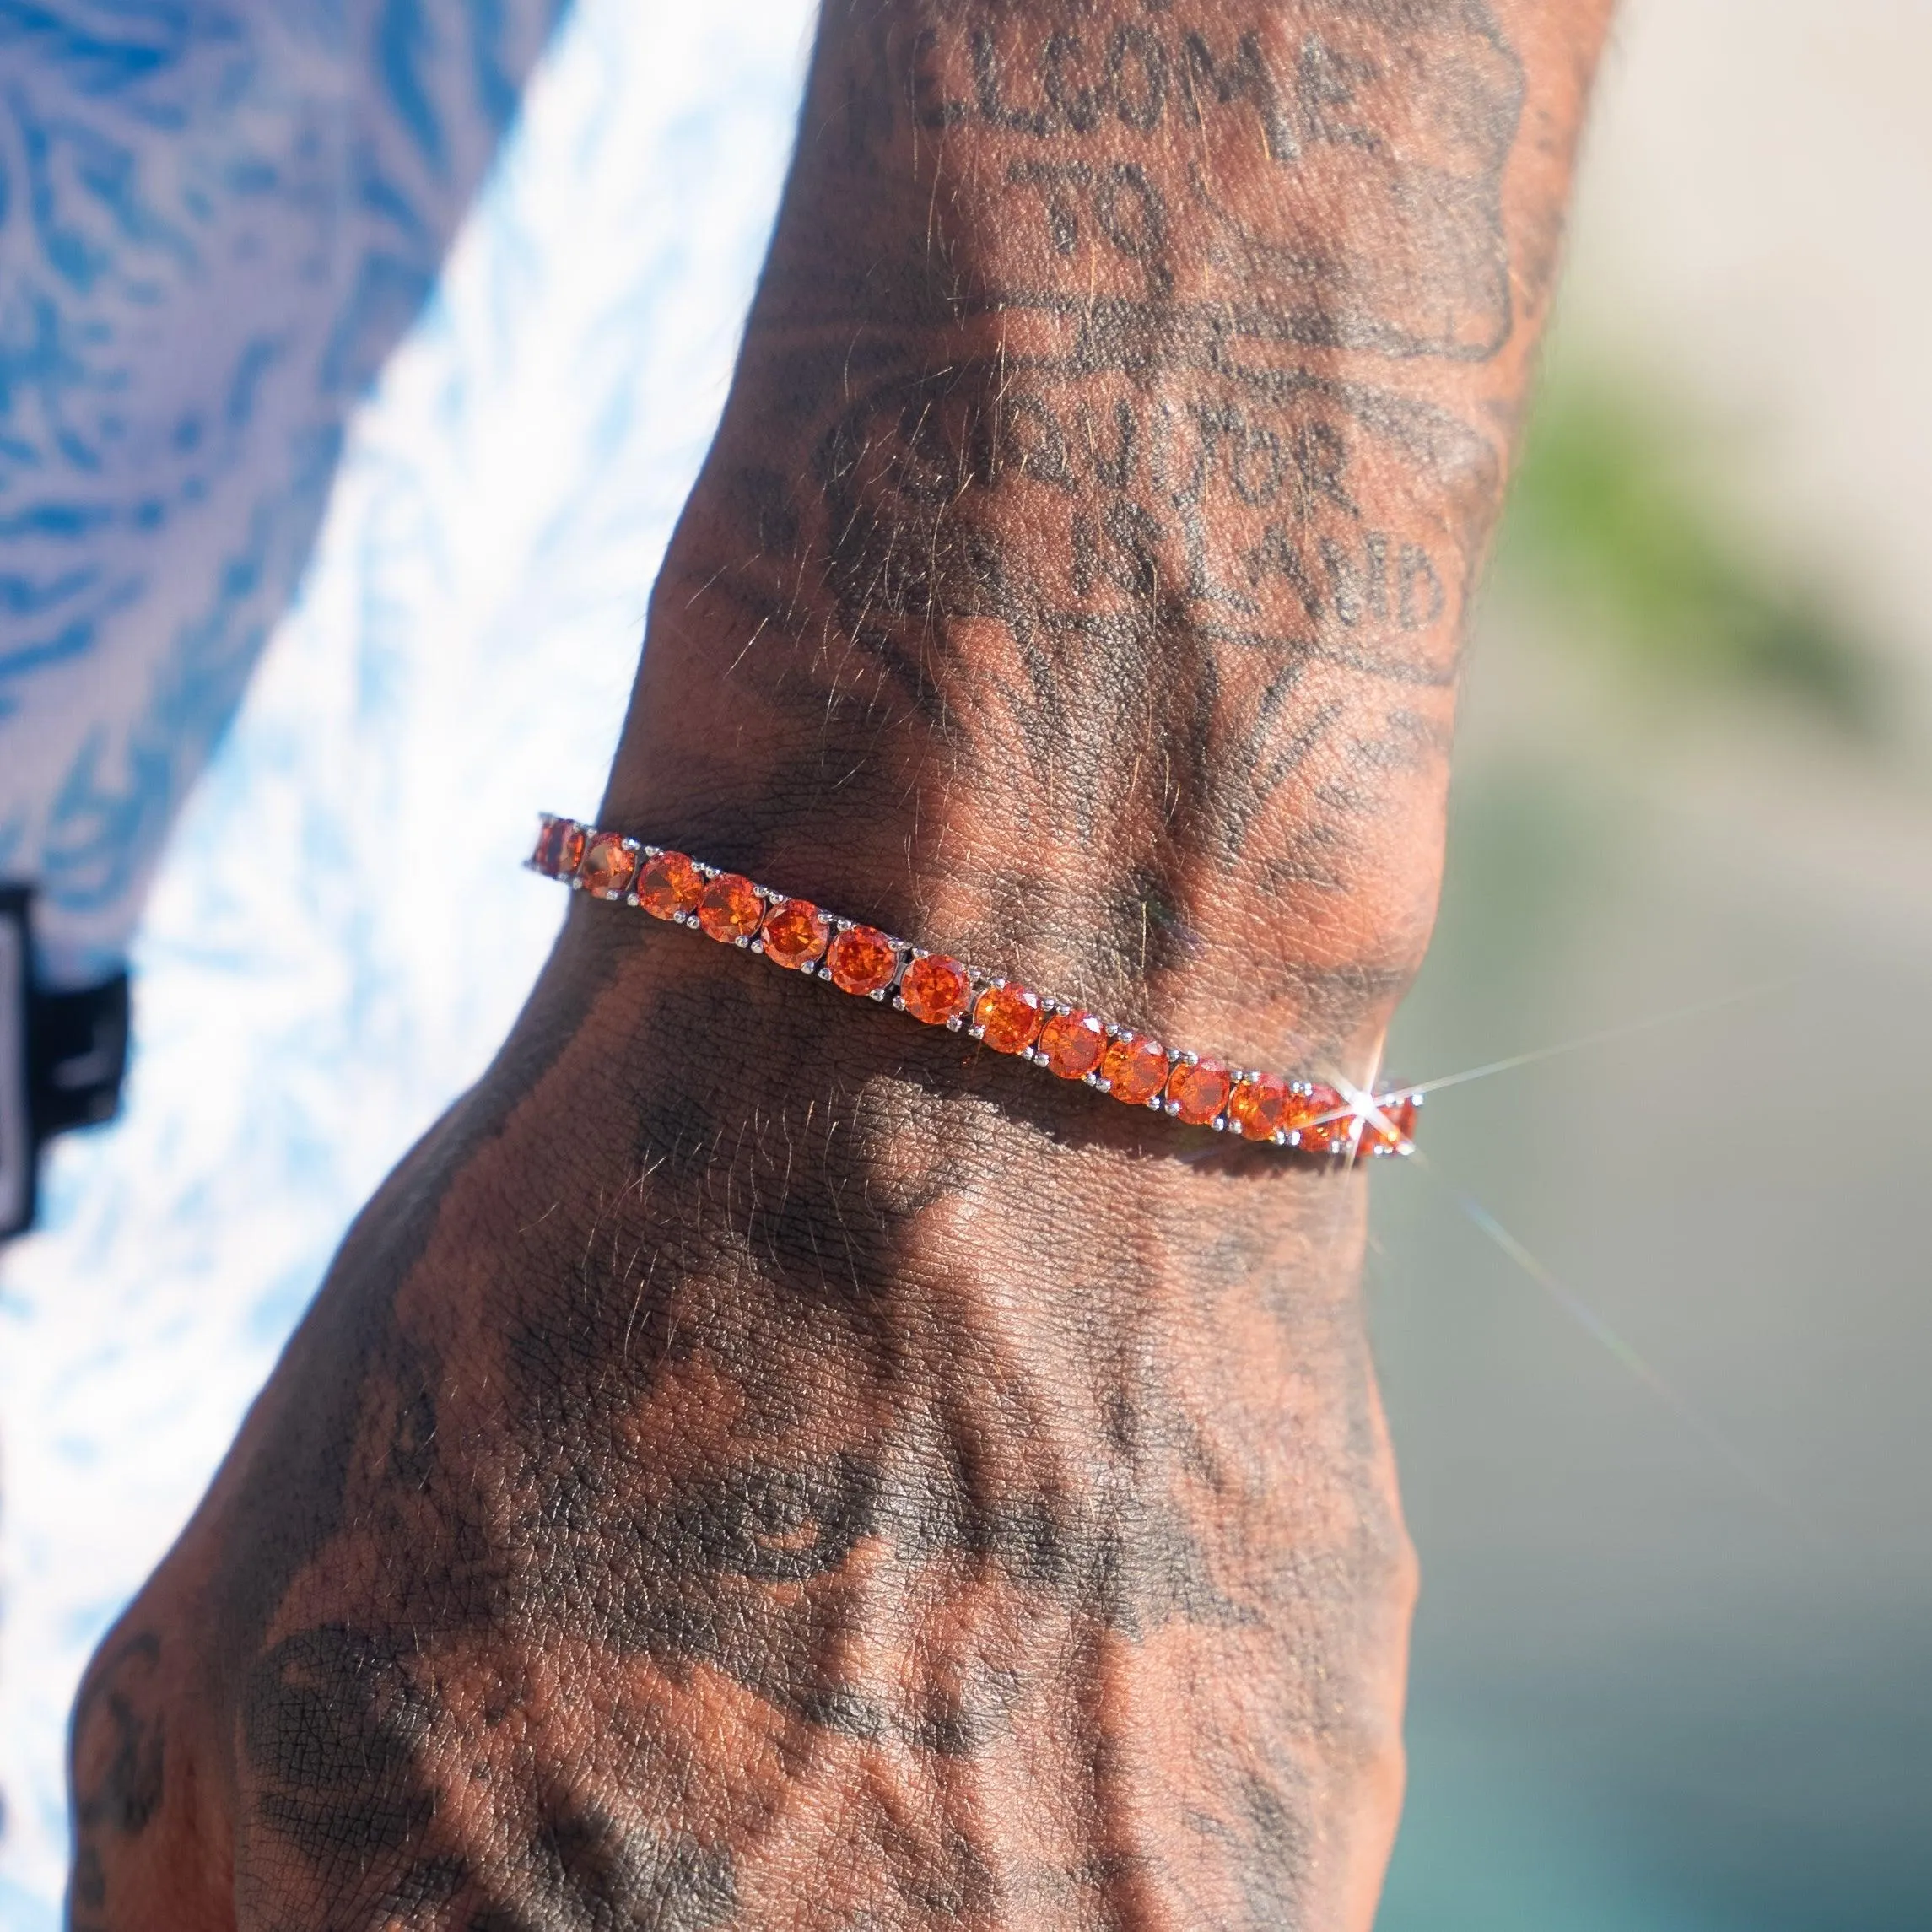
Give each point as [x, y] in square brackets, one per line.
[1071, 1043]
[1320, 1116]
[862, 960]
[1134, 1069]
[608, 867]
[1198, 1090]
[669, 886]
[729, 907]
[1257, 1105]
[936, 989]
[559, 847]
[1392, 1127]
[1008, 1018]
[796, 932]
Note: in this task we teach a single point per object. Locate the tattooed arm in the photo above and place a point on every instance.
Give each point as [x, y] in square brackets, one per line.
[761, 1462]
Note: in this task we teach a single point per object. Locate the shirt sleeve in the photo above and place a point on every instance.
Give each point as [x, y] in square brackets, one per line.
[215, 224]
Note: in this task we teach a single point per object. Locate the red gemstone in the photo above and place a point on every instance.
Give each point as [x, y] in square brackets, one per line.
[1197, 1090]
[1257, 1104]
[608, 867]
[862, 960]
[1134, 1069]
[1391, 1128]
[796, 932]
[936, 989]
[1319, 1115]
[560, 846]
[1071, 1043]
[669, 886]
[1007, 1017]
[729, 908]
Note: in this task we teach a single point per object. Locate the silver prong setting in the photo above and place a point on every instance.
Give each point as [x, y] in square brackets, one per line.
[1365, 1128]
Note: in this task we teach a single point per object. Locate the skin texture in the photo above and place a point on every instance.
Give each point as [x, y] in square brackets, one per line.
[762, 1462]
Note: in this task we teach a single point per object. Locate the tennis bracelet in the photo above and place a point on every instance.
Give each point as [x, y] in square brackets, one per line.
[1067, 1040]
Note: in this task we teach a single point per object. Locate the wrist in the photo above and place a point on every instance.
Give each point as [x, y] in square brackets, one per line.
[805, 1450]
[1124, 833]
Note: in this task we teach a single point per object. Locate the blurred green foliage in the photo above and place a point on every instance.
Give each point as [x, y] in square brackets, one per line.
[1623, 549]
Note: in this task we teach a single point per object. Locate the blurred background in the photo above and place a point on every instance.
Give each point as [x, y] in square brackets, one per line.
[1674, 1658]
[1654, 1315]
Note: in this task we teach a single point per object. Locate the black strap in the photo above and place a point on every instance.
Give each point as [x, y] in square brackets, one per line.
[63, 1058]
[18, 1146]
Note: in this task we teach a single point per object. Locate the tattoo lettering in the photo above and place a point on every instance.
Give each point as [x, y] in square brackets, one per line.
[1173, 545]
[1233, 501]
[1118, 202]
[1385, 127]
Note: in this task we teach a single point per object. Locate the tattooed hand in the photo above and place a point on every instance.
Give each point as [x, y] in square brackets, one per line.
[758, 1463]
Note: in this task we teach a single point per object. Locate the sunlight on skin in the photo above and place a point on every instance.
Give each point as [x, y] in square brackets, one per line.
[991, 1526]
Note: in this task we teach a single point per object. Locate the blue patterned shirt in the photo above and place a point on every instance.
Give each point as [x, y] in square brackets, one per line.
[215, 222]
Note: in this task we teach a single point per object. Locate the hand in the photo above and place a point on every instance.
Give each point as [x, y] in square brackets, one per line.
[760, 1460]
[896, 1494]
